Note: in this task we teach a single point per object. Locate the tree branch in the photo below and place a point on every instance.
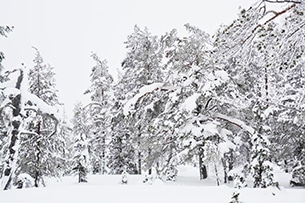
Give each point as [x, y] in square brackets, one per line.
[283, 1]
[277, 14]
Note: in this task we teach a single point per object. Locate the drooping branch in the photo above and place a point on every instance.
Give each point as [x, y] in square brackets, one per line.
[235, 122]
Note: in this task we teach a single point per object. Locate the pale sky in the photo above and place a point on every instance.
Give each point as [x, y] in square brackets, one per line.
[67, 31]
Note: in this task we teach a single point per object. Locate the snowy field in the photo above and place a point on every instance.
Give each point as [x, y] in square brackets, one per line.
[187, 189]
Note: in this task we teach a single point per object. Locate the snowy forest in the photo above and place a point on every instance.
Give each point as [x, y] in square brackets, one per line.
[232, 105]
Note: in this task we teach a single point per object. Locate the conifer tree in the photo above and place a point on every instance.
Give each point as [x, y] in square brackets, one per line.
[42, 150]
[42, 80]
[142, 67]
[99, 109]
[81, 146]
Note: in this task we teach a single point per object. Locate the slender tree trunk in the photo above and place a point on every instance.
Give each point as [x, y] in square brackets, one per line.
[103, 155]
[202, 168]
[217, 175]
[139, 156]
[225, 169]
[150, 168]
[11, 159]
[266, 87]
[38, 175]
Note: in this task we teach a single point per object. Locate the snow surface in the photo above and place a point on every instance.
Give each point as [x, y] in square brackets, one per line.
[108, 189]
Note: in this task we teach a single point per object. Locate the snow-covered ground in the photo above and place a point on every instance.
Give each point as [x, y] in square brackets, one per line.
[187, 188]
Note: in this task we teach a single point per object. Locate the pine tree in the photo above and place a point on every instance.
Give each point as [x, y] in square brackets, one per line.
[42, 149]
[142, 63]
[4, 30]
[81, 148]
[122, 157]
[42, 81]
[253, 51]
[15, 107]
[100, 112]
[4, 115]
[142, 67]
[13, 100]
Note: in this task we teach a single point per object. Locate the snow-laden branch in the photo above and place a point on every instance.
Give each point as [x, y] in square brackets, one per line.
[144, 90]
[39, 104]
[236, 122]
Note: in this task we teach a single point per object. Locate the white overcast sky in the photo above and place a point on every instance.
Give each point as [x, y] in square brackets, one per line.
[67, 31]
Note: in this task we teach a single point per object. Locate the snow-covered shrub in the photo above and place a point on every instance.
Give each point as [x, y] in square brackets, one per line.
[235, 198]
[171, 173]
[124, 179]
[148, 179]
[239, 181]
[81, 172]
[261, 170]
[24, 181]
[298, 176]
[238, 177]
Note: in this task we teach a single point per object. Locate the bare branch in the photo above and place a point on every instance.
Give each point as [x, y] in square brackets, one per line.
[277, 14]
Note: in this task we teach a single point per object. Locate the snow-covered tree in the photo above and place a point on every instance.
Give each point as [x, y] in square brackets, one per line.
[142, 63]
[142, 67]
[16, 98]
[41, 148]
[4, 117]
[42, 80]
[81, 148]
[256, 51]
[122, 155]
[99, 108]
[4, 30]
[13, 101]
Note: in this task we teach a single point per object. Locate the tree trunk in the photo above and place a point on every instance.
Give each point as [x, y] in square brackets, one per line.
[38, 175]
[11, 159]
[103, 155]
[217, 175]
[225, 169]
[202, 168]
[150, 168]
[139, 156]
[139, 163]
[266, 87]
